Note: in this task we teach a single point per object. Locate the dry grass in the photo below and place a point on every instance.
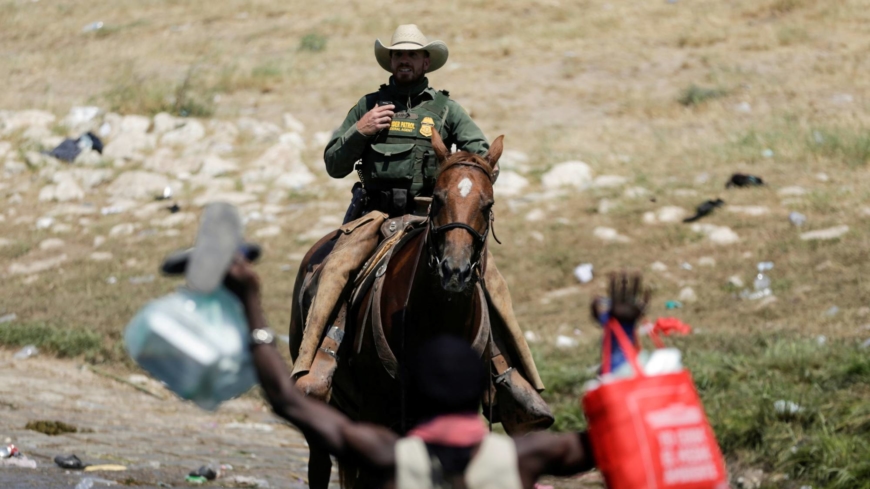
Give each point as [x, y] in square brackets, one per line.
[592, 80]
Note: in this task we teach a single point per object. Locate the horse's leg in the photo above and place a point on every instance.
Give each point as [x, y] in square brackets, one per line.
[319, 467]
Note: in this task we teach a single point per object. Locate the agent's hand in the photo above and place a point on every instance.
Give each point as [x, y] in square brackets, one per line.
[376, 119]
[243, 281]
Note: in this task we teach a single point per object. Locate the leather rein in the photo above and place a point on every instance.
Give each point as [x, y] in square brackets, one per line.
[434, 231]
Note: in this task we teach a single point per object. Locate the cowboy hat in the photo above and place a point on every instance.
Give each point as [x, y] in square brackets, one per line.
[409, 38]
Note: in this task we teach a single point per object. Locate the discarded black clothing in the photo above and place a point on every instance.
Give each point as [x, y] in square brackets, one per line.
[704, 209]
[69, 462]
[69, 149]
[743, 180]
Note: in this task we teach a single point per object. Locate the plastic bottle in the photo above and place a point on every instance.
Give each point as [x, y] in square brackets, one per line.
[196, 343]
[86, 483]
[762, 281]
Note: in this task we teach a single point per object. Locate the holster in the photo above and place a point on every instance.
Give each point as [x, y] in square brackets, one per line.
[358, 202]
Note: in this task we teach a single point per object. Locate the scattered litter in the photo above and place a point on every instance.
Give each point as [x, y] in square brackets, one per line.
[821, 339]
[111, 210]
[797, 218]
[744, 180]
[786, 407]
[833, 311]
[26, 352]
[830, 233]
[761, 283]
[166, 195]
[173, 208]
[673, 305]
[111, 280]
[767, 153]
[9, 451]
[687, 294]
[195, 479]
[143, 279]
[704, 209]
[51, 428]
[95, 480]
[583, 273]
[563, 341]
[531, 337]
[105, 468]
[8, 318]
[205, 472]
[735, 281]
[70, 462]
[69, 149]
[659, 267]
[686, 265]
[93, 26]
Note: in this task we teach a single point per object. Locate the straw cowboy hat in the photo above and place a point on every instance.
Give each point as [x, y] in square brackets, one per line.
[409, 38]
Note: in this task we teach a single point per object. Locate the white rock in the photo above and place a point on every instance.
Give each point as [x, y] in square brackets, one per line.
[12, 167]
[684, 192]
[510, 184]
[12, 121]
[659, 267]
[722, 235]
[134, 124]
[792, 191]
[89, 158]
[513, 160]
[563, 341]
[123, 229]
[51, 243]
[537, 236]
[36, 266]
[822, 177]
[140, 185]
[707, 261]
[46, 194]
[823, 234]
[568, 174]
[297, 179]
[37, 159]
[748, 210]
[80, 116]
[293, 124]
[214, 166]
[671, 214]
[5, 148]
[687, 294]
[268, 232]
[4, 242]
[101, 256]
[165, 122]
[68, 190]
[88, 178]
[191, 132]
[531, 336]
[736, 281]
[259, 131]
[605, 206]
[609, 234]
[44, 222]
[743, 107]
[650, 218]
[98, 241]
[636, 192]
[129, 146]
[609, 181]
[61, 228]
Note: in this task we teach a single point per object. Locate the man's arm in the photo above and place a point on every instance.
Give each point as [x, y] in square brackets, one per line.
[551, 454]
[463, 132]
[349, 141]
[321, 424]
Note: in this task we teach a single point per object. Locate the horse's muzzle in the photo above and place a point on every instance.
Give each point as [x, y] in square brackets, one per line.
[455, 277]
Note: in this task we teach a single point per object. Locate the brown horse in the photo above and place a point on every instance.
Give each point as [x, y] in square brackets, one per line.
[429, 287]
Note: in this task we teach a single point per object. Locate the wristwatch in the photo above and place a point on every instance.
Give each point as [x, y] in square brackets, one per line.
[262, 336]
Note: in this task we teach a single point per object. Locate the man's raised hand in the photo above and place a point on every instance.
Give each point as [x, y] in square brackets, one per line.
[376, 119]
[628, 298]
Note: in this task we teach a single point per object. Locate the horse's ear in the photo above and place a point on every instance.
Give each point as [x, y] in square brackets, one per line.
[441, 151]
[494, 153]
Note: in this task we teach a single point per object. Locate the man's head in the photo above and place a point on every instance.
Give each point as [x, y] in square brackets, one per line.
[446, 377]
[410, 55]
[409, 66]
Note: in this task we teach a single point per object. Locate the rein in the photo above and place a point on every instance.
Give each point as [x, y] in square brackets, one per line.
[480, 237]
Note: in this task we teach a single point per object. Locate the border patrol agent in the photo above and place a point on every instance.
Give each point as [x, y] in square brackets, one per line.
[386, 137]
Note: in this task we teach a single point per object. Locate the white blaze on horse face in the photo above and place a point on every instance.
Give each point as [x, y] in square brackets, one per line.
[465, 187]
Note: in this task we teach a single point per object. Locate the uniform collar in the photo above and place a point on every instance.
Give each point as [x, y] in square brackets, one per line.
[414, 91]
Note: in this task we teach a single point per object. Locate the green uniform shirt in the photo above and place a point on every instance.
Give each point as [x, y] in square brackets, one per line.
[347, 144]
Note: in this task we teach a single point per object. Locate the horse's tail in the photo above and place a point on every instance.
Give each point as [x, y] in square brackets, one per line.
[348, 473]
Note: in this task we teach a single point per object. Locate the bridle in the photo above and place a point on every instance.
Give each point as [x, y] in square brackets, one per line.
[434, 231]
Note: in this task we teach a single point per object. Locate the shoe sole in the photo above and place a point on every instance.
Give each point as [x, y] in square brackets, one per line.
[218, 239]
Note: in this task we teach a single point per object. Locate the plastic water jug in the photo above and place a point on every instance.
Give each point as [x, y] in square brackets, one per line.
[195, 343]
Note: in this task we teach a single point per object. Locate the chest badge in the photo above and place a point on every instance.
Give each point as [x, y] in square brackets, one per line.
[426, 127]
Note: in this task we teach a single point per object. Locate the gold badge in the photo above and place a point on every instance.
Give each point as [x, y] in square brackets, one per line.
[426, 127]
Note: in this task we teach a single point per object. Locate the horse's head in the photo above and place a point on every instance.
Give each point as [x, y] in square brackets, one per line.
[461, 212]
